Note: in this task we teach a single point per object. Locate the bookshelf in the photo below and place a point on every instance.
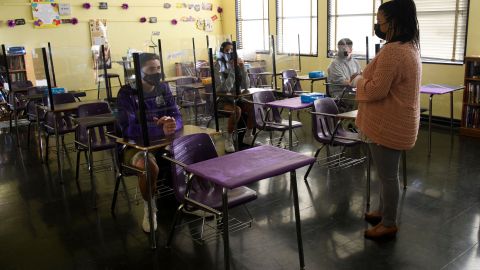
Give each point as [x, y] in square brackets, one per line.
[20, 68]
[471, 98]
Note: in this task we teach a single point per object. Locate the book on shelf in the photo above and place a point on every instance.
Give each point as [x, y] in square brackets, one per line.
[472, 118]
[16, 63]
[473, 69]
[473, 93]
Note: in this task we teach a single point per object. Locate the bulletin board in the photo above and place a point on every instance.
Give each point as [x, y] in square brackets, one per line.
[45, 14]
[98, 35]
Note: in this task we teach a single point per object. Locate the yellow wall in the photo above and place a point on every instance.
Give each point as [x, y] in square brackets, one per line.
[432, 73]
[71, 43]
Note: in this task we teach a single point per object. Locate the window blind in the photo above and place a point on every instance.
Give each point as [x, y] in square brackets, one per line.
[252, 25]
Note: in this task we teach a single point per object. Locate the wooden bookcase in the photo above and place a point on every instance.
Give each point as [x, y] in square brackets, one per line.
[471, 98]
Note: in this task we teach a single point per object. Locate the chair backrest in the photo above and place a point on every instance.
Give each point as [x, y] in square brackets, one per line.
[290, 84]
[260, 110]
[21, 84]
[324, 126]
[190, 149]
[98, 134]
[63, 122]
[31, 105]
[257, 80]
[62, 98]
[93, 109]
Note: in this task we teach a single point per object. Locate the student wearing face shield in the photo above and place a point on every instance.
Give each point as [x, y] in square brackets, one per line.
[225, 83]
[163, 119]
[343, 67]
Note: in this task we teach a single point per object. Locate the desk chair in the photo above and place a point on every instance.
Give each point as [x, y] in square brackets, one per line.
[291, 86]
[269, 119]
[31, 110]
[108, 77]
[92, 138]
[329, 132]
[189, 98]
[192, 192]
[256, 79]
[64, 123]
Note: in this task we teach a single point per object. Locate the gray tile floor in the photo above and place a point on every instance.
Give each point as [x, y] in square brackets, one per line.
[46, 225]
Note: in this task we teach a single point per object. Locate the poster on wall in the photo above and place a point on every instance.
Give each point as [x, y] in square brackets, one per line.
[98, 35]
[45, 14]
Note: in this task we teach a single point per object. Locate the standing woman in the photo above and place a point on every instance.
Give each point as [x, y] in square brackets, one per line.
[389, 102]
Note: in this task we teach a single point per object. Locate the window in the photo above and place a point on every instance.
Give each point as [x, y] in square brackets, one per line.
[443, 29]
[443, 26]
[252, 25]
[297, 18]
[352, 19]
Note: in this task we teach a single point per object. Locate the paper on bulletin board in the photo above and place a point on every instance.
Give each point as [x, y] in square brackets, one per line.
[98, 35]
[45, 14]
[65, 9]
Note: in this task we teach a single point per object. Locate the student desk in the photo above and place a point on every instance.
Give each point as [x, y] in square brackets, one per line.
[196, 87]
[312, 80]
[21, 94]
[235, 98]
[291, 104]
[58, 109]
[154, 145]
[250, 166]
[438, 89]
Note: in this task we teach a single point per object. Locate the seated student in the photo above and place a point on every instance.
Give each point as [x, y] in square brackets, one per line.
[226, 84]
[163, 119]
[340, 71]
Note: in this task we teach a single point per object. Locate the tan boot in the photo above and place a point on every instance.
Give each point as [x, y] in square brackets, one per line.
[379, 232]
[373, 217]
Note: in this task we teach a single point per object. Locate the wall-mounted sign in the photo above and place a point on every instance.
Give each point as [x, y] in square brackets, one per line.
[64, 9]
[19, 21]
[45, 14]
[103, 5]
[152, 20]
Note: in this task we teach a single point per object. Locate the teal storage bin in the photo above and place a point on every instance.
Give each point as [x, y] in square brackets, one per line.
[316, 74]
[311, 97]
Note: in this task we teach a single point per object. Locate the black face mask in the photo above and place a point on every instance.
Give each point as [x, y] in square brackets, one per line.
[153, 79]
[379, 33]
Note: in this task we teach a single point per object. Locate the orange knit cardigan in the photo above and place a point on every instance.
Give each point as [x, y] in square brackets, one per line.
[388, 97]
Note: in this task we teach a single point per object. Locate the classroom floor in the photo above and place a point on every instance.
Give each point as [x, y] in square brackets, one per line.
[46, 225]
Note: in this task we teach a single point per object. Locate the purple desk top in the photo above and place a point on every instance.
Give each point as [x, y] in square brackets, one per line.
[290, 103]
[439, 89]
[249, 166]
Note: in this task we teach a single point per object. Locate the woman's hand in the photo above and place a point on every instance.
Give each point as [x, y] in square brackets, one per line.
[168, 123]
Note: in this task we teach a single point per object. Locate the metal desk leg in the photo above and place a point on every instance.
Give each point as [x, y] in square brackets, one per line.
[311, 86]
[404, 167]
[293, 184]
[290, 130]
[226, 240]
[235, 129]
[15, 112]
[451, 113]
[153, 242]
[57, 145]
[39, 134]
[430, 125]
[195, 110]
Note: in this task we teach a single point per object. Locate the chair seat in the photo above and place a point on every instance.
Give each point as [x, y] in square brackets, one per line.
[338, 141]
[98, 146]
[109, 75]
[188, 104]
[61, 130]
[283, 126]
[236, 197]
